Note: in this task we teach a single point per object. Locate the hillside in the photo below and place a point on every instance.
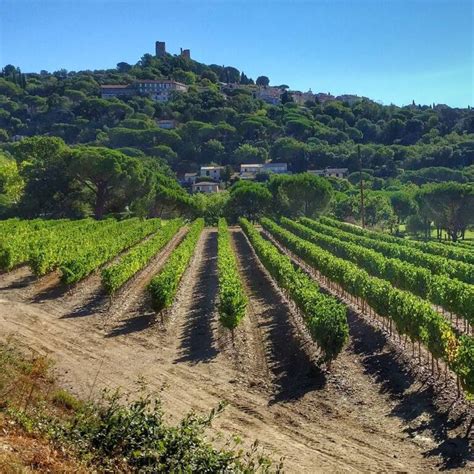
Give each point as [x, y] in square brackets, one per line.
[114, 142]
[222, 120]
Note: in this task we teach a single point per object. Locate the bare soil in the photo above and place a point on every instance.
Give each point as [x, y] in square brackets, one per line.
[370, 414]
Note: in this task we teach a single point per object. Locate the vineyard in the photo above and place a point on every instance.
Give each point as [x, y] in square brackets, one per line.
[313, 327]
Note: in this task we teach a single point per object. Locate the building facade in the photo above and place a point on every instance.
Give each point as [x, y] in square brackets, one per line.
[269, 95]
[213, 172]
[250, 169]
[158, 90]
[301, 98]
[277, 168]
[205, 187]
[110, 91]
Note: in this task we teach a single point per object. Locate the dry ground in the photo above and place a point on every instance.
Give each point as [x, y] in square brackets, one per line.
[369, 415]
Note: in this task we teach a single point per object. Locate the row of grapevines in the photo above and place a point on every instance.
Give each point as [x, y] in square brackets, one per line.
[439, 265]
[10, 226]
[412, 316]
[324, 316]
[117, 274]
[163, 287]
[56, 248]
[17, 247]
[434, 248]
[232, 299]
[451, 294]
[93, 254]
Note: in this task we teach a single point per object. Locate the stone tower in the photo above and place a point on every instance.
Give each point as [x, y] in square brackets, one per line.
[186, 53]
[160, 48]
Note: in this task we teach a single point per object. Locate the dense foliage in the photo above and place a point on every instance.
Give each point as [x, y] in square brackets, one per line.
[217, 120]
[323, 315]
[163, 287]
[232, 298]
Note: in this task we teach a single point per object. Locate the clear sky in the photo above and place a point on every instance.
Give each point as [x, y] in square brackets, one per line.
[394, 51]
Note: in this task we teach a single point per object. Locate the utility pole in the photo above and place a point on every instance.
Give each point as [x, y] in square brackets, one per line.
[361, 184]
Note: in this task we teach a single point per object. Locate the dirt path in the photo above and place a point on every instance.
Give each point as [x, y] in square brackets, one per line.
[270, 327]
[348, 421]
[129, 310]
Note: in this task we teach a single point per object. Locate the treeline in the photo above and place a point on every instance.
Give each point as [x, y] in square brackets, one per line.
[441, 206]
[44, 177]
[228, 125]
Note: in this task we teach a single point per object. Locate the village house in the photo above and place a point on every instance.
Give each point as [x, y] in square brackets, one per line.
[250, 171]
[189, 178]
[350, 99]
[213, 172]
[205, 187]
[301, 98]
[323, 97]
[159, 90]
[277, 168]
[269, 95]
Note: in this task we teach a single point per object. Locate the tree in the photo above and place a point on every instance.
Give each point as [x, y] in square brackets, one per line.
[291, 151]
[244, 80]
[250, 200]
[210, 75]
[11, 182]
[262, 81]
[230, 75]
[403, 204]
[210, 206]
[300, 194]
[109, 175]
[450, 206]
[165, 153]
[212, 152]
[249, 154]
[286, 98]
[393, 130]
[123, 67]
[378, 210]
[42, 165]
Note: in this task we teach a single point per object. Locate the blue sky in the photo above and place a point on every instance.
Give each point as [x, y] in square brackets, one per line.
[394, 51]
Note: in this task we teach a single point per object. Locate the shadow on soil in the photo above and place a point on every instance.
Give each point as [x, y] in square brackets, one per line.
[295, 373]
[23, 282]
[50, 292]
[96, 303]
[197, 344]
[144, 319]
[413, 403]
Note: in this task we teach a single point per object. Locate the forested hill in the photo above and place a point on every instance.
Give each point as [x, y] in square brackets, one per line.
[219, 120]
